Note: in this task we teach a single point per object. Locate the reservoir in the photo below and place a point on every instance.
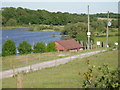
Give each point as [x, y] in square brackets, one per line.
[19, 35]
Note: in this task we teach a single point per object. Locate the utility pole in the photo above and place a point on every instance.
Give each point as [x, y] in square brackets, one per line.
[88, 33]
[107, 30]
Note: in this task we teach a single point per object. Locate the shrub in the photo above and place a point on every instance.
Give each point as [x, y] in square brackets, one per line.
[39, 47]
[24, 48]
[105, 78]
[51, 47]
[9, 48]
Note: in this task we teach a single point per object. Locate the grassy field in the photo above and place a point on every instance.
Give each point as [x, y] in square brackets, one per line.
[65, 75]
[113, 37]
[9, 62]
[107, 19]
[111, 40]
[23, 60]
[12, 27]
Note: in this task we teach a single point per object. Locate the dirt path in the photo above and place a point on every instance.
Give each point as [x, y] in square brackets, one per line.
[34, 67]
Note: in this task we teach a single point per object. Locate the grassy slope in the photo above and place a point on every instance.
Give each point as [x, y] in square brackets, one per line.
[106, 19]
[111, 39]
[36, 27]
[9, 62]
[64, 75]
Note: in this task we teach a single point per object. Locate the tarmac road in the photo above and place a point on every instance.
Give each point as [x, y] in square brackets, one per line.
[38, 66]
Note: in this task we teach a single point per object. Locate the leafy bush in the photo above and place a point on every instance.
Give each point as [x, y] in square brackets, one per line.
[51, 47]
[9, 48]
[39, 47]
[77, 31]
[105, 78]
[24, 48]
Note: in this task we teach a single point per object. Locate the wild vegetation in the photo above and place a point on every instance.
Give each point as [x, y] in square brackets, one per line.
[40, 47]
[9, 48]
[74, 25]
[68, 75]
[15, 61]
[106, 79]
[24, 47]
[22, 16]
[73, 74]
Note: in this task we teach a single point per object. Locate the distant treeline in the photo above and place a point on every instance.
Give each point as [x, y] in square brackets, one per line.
[104, 15]
[22, 16]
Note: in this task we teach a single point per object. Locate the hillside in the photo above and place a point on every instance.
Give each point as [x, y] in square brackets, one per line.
[65, 76]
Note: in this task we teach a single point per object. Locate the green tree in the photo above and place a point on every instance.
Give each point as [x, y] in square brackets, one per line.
[115, 23]
[51, 47]
[39, 47]
[77, 31]
[9, 12]
[11, 22]
[24, 48]
[8, 48]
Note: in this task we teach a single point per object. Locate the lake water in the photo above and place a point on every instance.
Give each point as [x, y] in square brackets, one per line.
[19, 35]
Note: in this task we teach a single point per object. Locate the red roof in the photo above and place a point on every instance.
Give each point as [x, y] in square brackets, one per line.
[69, 44]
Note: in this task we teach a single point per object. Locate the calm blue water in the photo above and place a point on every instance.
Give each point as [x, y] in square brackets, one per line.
[19, 35]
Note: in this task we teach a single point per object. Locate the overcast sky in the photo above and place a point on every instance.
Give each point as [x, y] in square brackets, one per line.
[71, 7]
[60, 0]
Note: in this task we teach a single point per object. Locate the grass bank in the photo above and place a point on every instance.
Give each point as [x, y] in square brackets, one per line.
[112, 38]
[10, 62]
[36, 27]
[13, 27]
[66, 75]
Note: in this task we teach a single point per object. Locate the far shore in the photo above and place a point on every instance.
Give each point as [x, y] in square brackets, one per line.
[25, 28]
[48, 30]
[31, 28]
[12, 27]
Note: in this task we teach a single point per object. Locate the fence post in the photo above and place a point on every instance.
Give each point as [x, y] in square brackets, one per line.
[13, 71]
[20, 81]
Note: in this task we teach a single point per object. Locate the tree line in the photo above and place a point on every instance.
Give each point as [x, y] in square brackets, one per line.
[104, 15]
[22, 16]
[9, 48]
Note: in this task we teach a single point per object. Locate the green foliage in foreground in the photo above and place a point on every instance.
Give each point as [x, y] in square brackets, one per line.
[106, 78]
[51, 47]
[9, 48]
[39, 47]
[24, 48]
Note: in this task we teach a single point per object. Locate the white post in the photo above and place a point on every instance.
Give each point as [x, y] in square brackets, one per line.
[107, 30]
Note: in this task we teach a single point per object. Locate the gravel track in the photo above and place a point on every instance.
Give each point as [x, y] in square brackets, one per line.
[38, 66]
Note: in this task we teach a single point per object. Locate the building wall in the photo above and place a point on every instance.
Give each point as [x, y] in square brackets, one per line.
[80, 49]
[74, 50]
